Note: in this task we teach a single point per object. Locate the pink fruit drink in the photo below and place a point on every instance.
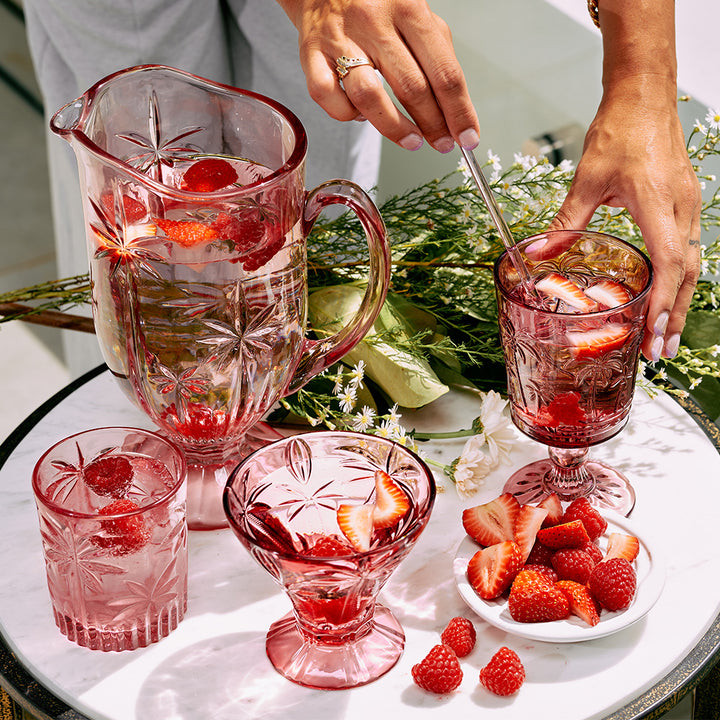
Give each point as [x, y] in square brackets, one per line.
[572, 349]
[115, 543]
[184, 313]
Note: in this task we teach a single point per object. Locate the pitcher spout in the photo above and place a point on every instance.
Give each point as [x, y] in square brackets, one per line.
[67, 120]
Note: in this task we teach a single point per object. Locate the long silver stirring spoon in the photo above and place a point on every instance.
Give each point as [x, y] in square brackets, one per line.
[498, 220]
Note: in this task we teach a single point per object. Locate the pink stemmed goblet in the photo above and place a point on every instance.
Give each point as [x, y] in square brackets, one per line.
[571, 351]
[330, 515]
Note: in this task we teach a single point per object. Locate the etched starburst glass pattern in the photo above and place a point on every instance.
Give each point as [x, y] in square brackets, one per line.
[156, 149]
[181, 385]
[134, 253]
[252, 336]
[140, 598]
[73, 559]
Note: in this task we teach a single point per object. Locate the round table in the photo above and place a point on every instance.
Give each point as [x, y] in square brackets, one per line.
[214, 665]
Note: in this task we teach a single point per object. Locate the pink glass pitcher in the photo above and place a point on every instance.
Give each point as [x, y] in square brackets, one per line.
[196, 215]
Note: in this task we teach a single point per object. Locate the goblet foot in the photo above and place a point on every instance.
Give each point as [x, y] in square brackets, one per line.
[206, 479]
[604, 486]
[334, 666]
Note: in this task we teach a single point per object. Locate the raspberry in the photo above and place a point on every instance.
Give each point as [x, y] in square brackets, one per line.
[125, 534]
[593, 551]
[504, 674]
[613, 583]
[328, 546]
[439, 672]
[459, 636]
[109, 476]
[581, 509]
[573, 564]
[540, 555]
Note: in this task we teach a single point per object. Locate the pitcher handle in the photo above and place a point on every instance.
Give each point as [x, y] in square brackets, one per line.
[320, 354]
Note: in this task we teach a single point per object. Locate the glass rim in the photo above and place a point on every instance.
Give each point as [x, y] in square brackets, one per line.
[88, 99]
[297, 556]
[41, 497]
[587, 233]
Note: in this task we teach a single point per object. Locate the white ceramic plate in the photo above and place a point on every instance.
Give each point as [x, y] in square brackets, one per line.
[650, 568]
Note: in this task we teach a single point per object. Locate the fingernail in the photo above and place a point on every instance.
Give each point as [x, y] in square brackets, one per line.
[469, 138]
[656, 348]
[444, 144]
[661, 323]
[671, 345]
[536, 246]
[413, 141]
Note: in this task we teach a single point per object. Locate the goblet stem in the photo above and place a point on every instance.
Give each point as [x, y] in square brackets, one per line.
[568, 475]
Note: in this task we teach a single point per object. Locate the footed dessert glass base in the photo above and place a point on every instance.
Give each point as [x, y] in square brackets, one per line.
[309, 661]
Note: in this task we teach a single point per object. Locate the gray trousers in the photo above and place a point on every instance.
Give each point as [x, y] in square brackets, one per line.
[246, 43]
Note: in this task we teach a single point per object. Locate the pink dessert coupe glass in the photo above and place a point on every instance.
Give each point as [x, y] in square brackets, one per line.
[571, 345]
[330, 515]
[196, 219]
[111, 505]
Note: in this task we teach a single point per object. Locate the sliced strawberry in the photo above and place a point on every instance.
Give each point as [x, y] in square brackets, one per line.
[558, 287]
[533, 598]
[133, 209]
[186, 232]
[554, 508]
[609, 293]
[208, 175]
[492, 569]
[269, 529]
[355, 521]
[492, 522]
[125, 534]
[598, 341]
[582, 509]
[529, 521]
[567, 535]
[109, 476]
[545, 570]
[581, 601]
[391, 502]
[622, 546]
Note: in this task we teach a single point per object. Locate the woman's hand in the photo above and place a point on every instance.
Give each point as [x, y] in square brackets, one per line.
[412, 49]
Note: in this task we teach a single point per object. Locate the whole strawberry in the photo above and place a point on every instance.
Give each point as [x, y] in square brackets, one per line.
[613, 583]
[439, 671]
[504, 674]
[459, 636]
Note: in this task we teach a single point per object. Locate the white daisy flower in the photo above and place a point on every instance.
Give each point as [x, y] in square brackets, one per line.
[347, 398]
[472, 467]
[364, 420]
[713, 118]
[498, 430]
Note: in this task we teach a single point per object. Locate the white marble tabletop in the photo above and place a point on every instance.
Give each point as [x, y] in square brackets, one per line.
[214, 664]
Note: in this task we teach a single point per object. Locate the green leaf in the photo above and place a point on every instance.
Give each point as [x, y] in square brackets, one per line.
[406, 378]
